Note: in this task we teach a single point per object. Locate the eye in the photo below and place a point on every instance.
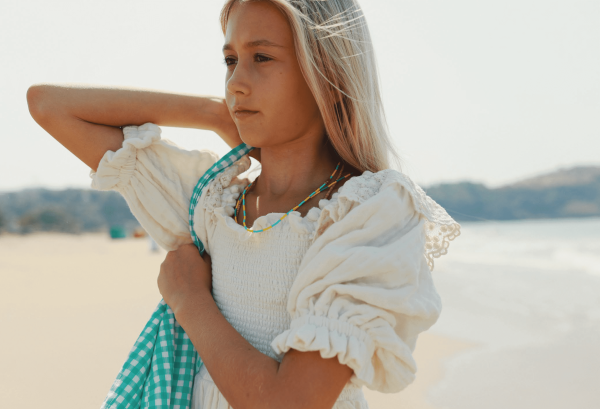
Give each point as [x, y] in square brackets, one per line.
[258, 57]
[265, 58]
[228, 61]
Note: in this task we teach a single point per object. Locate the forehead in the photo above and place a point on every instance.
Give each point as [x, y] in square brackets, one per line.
[257, 20]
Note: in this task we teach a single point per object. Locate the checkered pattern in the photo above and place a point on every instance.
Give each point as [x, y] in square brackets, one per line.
[233, 156]
[160, 369]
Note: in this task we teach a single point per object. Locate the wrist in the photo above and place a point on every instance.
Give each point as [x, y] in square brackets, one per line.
[219, 116]
[190, 308]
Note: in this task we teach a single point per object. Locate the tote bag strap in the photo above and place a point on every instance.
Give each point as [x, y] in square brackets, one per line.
[229, 159]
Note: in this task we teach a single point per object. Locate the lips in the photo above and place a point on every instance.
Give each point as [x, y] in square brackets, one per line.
[240, 114]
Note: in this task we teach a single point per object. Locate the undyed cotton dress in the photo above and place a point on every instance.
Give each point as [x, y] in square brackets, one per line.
[352, 279]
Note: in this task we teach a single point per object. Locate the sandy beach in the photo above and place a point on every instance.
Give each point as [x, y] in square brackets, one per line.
[515, 335]
[75, 306]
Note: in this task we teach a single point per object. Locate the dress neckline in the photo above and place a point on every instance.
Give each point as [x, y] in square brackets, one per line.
[277, 215]
[221, 195]
[295, 218]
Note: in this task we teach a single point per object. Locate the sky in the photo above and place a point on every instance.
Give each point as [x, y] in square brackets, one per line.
[485, 91]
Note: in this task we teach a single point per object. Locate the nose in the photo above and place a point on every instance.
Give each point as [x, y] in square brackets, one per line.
[238, 82]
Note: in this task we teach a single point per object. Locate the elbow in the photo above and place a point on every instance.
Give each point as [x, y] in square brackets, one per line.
[35, 101]
[41, 101]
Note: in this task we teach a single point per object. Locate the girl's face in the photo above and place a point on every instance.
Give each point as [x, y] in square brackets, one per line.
[266, 93]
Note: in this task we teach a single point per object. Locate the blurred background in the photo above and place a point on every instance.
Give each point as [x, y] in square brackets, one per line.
[494, 107]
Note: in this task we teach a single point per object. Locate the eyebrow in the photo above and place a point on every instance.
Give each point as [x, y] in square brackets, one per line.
[252, 44]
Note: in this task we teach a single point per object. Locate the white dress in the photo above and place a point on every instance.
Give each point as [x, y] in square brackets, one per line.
[352, 279]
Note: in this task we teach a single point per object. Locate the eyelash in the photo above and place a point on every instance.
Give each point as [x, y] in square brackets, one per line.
[225, 60]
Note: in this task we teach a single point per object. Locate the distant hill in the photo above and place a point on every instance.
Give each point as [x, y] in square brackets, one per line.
[578, 176]
[69, 211]
[573, 192]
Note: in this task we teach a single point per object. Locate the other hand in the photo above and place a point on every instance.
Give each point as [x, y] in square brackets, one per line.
[185, 277]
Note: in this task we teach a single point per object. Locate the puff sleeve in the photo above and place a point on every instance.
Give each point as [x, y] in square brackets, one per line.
[156, 177]
[364, 290]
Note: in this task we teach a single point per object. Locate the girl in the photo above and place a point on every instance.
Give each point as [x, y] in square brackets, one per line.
[291, 308]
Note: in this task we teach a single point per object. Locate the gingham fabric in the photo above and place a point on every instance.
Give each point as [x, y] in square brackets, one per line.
[233, 156]
[160, 368]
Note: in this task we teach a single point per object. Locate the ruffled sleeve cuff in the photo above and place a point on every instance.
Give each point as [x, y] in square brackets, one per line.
[379, 359]
[115, 168]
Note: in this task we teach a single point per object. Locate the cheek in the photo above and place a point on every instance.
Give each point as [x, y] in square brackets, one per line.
[290, 99]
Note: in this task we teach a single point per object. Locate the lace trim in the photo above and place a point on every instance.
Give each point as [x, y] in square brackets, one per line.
[440, 228]
[214, 191]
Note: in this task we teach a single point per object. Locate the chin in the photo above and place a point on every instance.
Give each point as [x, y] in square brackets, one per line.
[255, 139]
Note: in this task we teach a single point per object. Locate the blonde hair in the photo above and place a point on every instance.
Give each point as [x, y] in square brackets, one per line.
[337, 59]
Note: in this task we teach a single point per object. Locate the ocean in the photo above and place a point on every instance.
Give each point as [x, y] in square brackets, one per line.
[527, 293]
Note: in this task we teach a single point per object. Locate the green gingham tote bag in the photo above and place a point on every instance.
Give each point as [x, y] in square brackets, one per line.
[160, 369]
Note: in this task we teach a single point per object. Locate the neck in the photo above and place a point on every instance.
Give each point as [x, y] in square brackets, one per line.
[297, 167]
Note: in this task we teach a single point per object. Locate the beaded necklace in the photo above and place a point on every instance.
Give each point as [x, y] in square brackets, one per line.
[320, 189]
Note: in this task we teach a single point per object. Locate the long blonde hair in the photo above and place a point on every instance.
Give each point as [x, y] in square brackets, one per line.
[337, 59]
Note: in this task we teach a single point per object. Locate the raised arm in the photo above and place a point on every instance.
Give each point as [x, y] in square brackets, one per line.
[86, 118]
